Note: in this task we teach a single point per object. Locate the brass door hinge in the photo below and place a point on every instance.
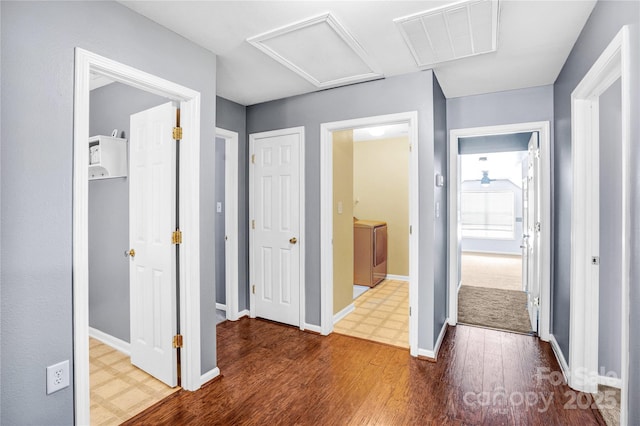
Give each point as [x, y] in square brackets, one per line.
[253, 158]
[177, 133]
[253, 224]
[253, 289]
[177, 341]
[176, 237]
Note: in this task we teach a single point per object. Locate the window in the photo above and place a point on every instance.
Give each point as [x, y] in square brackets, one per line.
[488, 214]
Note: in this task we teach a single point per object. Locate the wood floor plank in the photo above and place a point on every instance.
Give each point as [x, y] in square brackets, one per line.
[275, 374]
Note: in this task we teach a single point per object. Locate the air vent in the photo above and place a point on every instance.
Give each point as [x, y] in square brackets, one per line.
[451, 32]
[319, 49]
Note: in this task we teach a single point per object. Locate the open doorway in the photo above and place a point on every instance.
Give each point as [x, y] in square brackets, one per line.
[86, 64]
[333, 208]
[536, 251]
[371, 233]
[495, 208]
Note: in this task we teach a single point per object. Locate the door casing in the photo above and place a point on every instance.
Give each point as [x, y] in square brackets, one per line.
[301, 239]
[542, 127]
[613, 64]
[231, 229]
[86, 63]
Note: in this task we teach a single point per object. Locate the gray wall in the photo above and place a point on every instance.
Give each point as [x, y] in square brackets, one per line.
[610, 339]
[440, 243]
[232, 116]
[494, 245]
[111, 107]
[38, 41]
[408, 92]
[220, 234]
[605, 22]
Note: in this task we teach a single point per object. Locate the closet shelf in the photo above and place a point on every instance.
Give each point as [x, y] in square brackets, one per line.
[107, 157]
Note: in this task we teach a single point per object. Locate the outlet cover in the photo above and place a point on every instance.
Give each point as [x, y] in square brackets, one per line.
[57, 377]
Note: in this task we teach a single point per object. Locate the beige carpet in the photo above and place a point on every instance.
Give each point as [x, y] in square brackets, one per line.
[494, 308]
[608, 401]
[492, 271]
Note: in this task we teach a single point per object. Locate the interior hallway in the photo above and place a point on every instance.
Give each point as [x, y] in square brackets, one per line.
[271, 373]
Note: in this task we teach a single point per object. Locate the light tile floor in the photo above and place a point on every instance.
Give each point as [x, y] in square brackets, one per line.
[381, 314]
[118, 389]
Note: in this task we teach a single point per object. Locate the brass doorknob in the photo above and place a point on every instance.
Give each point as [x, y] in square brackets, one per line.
[293, 240]
[132, 253]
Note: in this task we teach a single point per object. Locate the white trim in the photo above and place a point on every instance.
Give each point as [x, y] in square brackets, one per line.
[258, 41]
[564, 367]
[433, 354]
[343, 313]
[543, 128]
[231, 227]
[499, 253]
[86, 63]
[243, 313]
[302, 238]
[209, 375]
[326, 216]
[612, 64]
[398, 277]
[113, 342]
[221, 306]
[312, 328]
[614, 382]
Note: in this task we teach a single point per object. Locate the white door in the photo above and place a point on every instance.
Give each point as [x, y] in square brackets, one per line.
[275, 225]
[531, 237]
[152, 275]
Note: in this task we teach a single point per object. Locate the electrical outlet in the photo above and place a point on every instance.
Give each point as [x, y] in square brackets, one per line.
[57, 376]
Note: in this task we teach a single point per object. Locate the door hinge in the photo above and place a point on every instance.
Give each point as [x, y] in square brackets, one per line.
[595, 260]
[176, 237]
[536, 301]
[253, 289]
[410, 148]
[409, 310]
[253, 159]
[253, 224]
[410, 229]
[177, 133]
[177, 341]
[538, 226]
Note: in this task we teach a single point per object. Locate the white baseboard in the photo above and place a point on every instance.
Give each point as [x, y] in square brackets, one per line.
[560, 357]
[499, 253]
[209, 375]
[311, 327]
[109, 340]
[433, 354]
[221, 306]
[343, 313]
[614, 382]
[398, 277]
[244, 313]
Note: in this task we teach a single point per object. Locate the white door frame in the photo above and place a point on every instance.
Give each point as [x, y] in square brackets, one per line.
[326, 215]
[612, 64]
[86, 63]
[542, 127]
[301, 239]
[231, 229]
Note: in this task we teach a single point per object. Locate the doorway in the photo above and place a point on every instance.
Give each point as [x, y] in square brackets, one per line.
[410, 119]
[600, 224]
[497, 202]
[371, 233]
[543, 231]
[227, 224]
[87, 63]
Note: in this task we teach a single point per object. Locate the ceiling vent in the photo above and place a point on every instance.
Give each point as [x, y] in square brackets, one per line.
[451, 32]
[319, 49]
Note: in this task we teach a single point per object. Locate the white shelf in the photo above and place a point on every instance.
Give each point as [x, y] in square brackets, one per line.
[107, 157]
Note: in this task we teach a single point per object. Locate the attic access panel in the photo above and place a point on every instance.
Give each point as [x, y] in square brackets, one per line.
[320, 50]
[455, 31]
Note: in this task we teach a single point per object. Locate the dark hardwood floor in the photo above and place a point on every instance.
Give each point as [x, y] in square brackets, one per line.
[275, 374]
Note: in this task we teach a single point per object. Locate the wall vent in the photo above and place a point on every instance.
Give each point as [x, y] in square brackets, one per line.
[455, 31]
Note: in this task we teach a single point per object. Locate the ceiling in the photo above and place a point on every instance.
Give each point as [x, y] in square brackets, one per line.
[534, 38]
